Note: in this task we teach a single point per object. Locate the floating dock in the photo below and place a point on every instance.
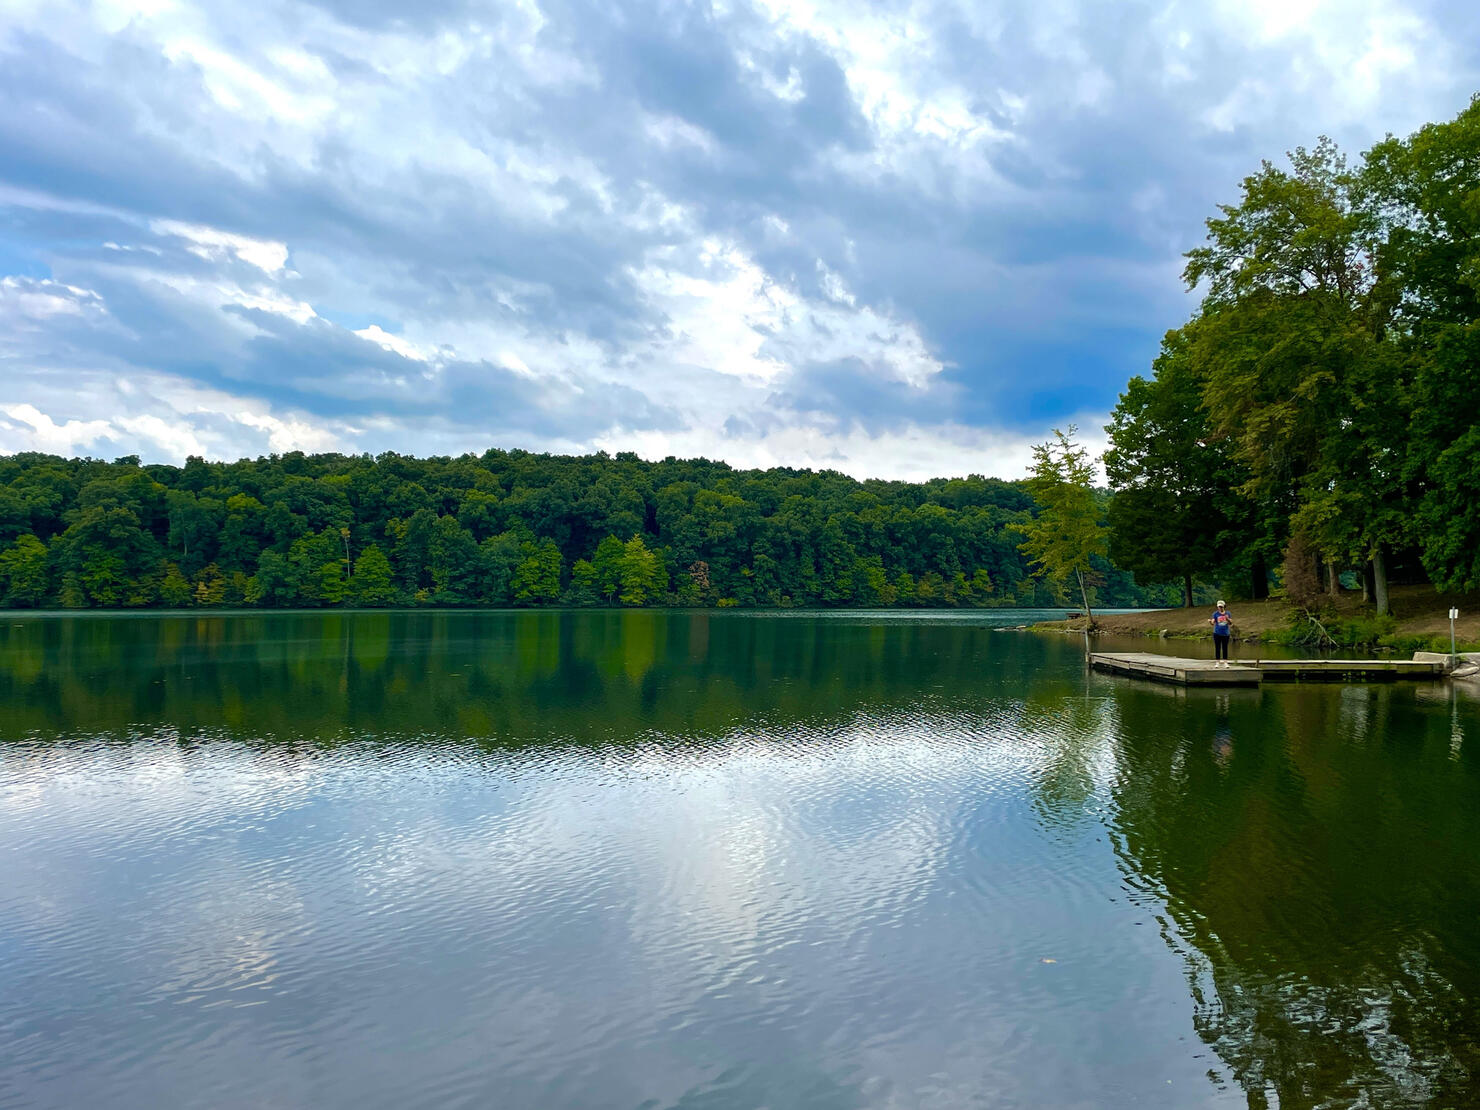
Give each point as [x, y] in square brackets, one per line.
[1241, 672]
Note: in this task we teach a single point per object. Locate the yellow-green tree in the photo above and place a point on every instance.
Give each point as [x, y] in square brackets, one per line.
[174, 590]
[1067, 533]
[372, 583]
[537, 579]
[210, 587]
[642, 573]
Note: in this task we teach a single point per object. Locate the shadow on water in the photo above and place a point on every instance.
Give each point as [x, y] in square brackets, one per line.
[1318, 852]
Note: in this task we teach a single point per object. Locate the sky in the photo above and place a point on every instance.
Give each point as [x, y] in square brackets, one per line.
[900, 240]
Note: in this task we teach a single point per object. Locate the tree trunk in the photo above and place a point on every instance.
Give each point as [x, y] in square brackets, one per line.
[1084, 595]
[1259, 579]
[1333, 583]
[1379, 581]
[1187, 590]
[1367, 583]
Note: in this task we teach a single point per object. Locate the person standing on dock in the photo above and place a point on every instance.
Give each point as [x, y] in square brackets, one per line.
[1222, 622]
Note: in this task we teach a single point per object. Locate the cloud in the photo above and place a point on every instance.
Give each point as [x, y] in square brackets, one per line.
[732, 230]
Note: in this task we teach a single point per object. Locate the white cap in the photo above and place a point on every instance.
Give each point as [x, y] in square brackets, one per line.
[1222, 602]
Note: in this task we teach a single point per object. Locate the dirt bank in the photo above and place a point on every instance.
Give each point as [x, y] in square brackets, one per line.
[1418, 611]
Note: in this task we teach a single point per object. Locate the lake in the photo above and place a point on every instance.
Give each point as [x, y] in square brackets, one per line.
[717, 860]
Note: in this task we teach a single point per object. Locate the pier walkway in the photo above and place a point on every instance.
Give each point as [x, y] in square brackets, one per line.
[1244, 672]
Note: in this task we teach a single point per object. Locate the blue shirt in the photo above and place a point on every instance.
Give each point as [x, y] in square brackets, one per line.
[1222, 622]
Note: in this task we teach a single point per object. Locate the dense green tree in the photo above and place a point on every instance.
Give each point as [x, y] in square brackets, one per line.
[582, 584]
[536, 579]
[641, 573]
[413, 549]
[1428, 191]
[1176, 514]
[1298, 379]
[24, 575]
[72, 595]
[243, 533]
[452, 563]
[606, 568]
[498, 558]
[174, 588]
[276, 583]
[114, 560]
[282, 530]
[194, 525]
[372, 583]
[318, 569]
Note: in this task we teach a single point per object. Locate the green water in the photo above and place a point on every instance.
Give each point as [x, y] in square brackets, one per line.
[646, 859]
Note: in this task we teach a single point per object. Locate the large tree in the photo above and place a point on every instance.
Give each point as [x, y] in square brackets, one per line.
[1176, 514]
[1291, 338]
[1427, 188]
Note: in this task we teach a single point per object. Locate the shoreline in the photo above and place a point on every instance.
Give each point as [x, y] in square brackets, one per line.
[1419, 614]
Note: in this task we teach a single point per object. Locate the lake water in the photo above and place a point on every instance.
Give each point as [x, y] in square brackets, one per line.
[717, 860]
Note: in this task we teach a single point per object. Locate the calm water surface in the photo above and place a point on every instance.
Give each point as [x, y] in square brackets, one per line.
[642, 860]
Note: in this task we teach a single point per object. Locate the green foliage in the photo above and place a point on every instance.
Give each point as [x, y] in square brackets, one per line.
[210, 587]
[276, 583]
[24, 575]
[1306, 630]
[503, 528]
[1329, 376]
[371, 584]
[1066, 535]
[174, 589]
[536, 579]
[498, 558]
[109, 555]
[72, 595]
[1427, 188]
[1175, 515]
[606, 568]
[582, 584]
[641, 573]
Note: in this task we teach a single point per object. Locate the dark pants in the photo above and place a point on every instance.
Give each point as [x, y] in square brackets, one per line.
[1220, 647]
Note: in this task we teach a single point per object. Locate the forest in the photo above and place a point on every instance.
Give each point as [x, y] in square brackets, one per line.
[1318, 418]
[509, 528]
[1315, 424]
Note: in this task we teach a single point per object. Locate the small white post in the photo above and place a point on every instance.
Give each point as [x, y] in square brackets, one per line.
[1453, 653]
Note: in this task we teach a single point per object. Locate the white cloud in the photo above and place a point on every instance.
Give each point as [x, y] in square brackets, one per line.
[30, 303]
[213, 244]
[157, 417]
[32, 430]
[582, 201]
[911, 452]
[390, 342]
[727, 314]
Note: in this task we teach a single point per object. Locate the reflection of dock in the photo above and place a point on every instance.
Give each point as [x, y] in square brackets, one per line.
[1203, 672]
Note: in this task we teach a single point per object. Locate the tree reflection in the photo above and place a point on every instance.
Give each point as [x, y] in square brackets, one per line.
[1321, 860]
[490, 677]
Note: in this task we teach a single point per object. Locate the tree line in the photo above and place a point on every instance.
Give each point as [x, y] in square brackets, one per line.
[509, 528]
[1318, 417]
[1320, 413]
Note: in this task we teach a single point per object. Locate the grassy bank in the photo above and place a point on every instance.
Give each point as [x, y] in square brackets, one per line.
[1419, 622]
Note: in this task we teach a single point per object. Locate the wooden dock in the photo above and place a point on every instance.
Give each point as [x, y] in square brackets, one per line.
[1204, 672]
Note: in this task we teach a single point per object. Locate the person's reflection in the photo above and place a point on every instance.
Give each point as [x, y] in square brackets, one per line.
[1222, 732]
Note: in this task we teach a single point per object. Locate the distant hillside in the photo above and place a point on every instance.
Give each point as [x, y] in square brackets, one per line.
[507, 528]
